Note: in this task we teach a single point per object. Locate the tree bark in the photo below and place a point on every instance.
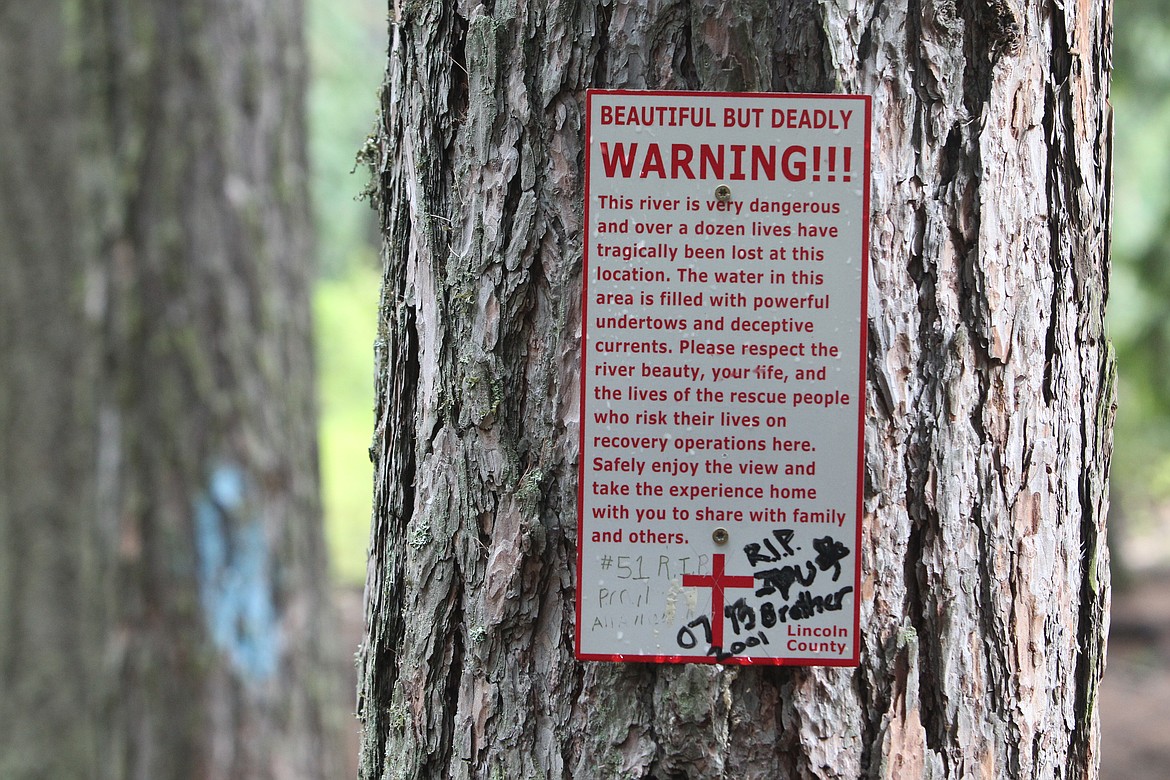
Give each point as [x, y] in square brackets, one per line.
[175, 144]
[985, 581]
[50, 580]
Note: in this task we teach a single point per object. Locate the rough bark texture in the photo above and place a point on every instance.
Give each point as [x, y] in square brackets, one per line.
[175, 272]
[985, 587]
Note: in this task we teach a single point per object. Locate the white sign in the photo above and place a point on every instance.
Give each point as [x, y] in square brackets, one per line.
[723, 377]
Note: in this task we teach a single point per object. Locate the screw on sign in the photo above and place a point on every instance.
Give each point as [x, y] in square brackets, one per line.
[717, 581]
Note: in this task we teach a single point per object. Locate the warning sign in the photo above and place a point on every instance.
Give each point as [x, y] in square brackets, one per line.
[723, 377]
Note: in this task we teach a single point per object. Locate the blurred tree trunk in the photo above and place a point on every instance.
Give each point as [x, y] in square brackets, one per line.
[985, 587]
[51, 604]
[157, 225]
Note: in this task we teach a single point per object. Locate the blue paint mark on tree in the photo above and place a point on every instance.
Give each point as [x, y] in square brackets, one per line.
[234, 578]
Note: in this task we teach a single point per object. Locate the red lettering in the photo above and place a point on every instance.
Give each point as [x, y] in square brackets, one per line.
[653, 162]
[708, 159]
[764, 157]
[737, 151]
[794, 170]
[618, 158]
[680, 160]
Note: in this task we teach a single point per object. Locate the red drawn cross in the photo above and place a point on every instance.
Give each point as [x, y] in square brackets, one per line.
[717, 581]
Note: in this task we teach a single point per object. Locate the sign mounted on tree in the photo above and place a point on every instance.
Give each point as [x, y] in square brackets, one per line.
[723, 377]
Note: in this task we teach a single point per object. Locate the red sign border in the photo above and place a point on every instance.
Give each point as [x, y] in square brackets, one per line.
[855, 659]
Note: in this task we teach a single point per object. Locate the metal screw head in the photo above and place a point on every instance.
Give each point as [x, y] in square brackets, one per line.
[719, 535]
[723, 193]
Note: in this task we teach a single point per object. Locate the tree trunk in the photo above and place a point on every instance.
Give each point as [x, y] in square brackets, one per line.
[187, 268]
[50, 582]
[985, 580]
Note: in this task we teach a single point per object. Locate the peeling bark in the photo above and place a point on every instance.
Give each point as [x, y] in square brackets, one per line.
[985, 576]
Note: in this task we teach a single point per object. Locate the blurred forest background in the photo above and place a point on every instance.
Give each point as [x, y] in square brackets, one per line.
[1136, 687]
[1140, 291]
[347, 42]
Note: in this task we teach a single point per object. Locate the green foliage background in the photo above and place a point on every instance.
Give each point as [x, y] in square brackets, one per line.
[347, 43]
[347, 48]
[1140, 289]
